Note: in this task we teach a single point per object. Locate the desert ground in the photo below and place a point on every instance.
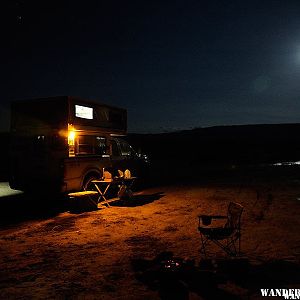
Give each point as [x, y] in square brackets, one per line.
[118, 252]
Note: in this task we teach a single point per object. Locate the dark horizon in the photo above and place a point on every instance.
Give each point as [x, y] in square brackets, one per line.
[6, 129]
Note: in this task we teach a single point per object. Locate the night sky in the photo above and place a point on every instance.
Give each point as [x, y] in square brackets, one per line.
[173, 64]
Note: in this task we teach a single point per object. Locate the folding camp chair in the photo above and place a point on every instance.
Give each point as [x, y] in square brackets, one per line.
[227, 236]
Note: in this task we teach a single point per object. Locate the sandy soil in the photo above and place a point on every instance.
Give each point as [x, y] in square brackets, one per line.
[107, 254]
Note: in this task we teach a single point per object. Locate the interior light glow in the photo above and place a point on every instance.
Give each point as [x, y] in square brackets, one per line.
[71, 137]
[71, 140]
[83, 112]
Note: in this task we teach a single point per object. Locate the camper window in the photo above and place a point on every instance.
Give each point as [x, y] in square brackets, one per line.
[126, 149]
[100, 147]
[90, 145]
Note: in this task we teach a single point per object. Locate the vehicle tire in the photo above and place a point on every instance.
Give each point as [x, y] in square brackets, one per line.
[87, 183]
[90, 202]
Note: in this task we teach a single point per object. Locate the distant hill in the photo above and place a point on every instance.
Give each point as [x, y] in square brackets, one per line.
[225, 144]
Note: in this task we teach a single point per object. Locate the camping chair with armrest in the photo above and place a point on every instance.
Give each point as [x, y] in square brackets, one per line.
[225, 236]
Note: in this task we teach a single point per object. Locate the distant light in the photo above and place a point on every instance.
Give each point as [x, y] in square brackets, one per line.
[288, 163]
[20, 19]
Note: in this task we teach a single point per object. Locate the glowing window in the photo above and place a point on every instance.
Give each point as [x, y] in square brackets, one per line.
[83, 112]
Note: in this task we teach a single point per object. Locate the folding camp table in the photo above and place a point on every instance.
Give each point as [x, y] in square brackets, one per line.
[103, 187]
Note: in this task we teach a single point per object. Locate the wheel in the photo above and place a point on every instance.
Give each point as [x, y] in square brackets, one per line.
[90, 202]
[88, 185]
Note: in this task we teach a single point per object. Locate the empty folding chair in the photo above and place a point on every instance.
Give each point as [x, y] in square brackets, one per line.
[228, 236]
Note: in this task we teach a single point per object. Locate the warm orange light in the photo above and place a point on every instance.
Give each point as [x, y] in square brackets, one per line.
[71, 135]
[71, 140]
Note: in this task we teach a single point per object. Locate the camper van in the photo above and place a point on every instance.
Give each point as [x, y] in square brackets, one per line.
[61, 144]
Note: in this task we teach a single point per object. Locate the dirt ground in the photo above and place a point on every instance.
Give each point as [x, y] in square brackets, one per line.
[110, 253]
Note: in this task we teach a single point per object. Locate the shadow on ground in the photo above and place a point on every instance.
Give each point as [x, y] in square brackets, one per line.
[85, 204]
[20, 207]
[24, 207]
[175, 278]
[139, 200]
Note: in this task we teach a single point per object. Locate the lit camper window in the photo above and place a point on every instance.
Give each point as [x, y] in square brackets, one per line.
[83, 112]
